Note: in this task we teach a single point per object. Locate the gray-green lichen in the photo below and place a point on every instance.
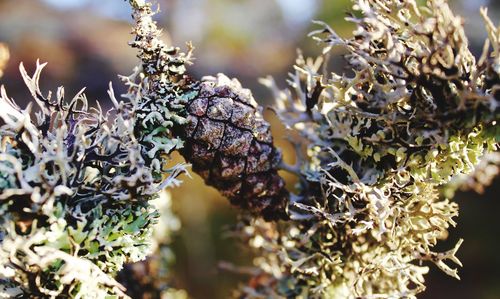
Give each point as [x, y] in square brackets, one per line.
[75, 195]
[76, 183]
[417, 111]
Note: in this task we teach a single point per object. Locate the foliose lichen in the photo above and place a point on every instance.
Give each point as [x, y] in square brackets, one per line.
[376, 145]
[76, 183]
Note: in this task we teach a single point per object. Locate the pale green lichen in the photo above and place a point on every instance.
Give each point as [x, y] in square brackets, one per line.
[417, 111]
[482, 176]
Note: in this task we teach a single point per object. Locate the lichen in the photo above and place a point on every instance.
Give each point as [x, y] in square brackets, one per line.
[417, 111]
[76, 183]
[374, 148]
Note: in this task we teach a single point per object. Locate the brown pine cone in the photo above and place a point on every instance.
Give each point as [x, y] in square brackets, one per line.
[230, 145]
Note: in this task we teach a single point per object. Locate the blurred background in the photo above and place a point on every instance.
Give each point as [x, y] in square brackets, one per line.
[85, 43]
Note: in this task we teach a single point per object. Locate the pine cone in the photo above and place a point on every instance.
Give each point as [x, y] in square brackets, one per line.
[230, 145]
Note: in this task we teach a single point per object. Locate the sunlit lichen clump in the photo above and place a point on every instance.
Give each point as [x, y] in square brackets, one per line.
[74, 194]
[76, 183]
[417, 110]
